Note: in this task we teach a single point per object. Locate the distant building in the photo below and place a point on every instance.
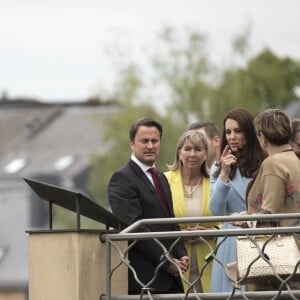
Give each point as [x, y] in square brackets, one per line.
[293, 109]
[48, 142]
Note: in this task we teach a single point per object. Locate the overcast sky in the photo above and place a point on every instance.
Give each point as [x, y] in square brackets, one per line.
[54, 49]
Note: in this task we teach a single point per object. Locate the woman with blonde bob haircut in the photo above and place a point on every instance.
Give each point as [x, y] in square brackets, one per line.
[276, 187]
[190, 185]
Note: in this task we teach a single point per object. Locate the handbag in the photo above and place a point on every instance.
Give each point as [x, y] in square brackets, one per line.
[266, 256]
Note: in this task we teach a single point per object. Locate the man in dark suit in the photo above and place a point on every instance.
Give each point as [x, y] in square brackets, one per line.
[132, 196]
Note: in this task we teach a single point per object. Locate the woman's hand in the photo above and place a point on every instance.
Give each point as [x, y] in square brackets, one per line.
[195, 227]
[227, 160]
[243, 224]
[196, 239]
[182, 263]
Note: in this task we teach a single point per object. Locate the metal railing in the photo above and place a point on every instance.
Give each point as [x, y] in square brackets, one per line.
[131, 235]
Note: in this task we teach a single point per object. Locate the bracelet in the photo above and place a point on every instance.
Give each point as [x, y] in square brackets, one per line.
[218, 163]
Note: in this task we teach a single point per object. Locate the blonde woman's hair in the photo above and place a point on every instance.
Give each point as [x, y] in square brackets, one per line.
[198, 139]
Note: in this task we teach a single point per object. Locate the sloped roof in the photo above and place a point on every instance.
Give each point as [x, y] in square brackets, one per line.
[42, 136]
[15, 123]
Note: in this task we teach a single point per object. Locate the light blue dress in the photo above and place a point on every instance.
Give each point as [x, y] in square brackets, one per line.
[226, 199]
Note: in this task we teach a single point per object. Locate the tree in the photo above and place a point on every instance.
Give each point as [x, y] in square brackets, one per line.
[265, 81]
[183, 66]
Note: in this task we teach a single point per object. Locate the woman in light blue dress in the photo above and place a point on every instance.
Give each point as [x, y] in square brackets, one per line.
[240, 159]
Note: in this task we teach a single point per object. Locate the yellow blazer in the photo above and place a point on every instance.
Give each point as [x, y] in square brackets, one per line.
[176, 185]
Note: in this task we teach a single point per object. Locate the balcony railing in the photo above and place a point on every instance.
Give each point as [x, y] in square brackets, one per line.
[131, 235]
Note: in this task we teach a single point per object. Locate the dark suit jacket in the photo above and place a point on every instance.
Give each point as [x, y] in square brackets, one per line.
[132, 197]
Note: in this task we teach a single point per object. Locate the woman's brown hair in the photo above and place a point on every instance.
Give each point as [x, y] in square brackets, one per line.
[251, 156]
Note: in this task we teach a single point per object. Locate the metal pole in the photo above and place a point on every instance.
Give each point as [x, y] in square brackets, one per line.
[50, 216]
[78, 211]
[108, 269]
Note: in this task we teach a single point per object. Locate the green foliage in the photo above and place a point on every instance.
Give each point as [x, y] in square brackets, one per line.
[184, 67]
[240, 42]
[128, 85]
[266, 81]
[172, 131]
[274, 78]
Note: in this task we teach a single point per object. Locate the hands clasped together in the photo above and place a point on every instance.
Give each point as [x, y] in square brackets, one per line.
[182, 263]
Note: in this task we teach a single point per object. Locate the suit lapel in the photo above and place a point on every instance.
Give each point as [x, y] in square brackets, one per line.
[142, 176]
[166, 190]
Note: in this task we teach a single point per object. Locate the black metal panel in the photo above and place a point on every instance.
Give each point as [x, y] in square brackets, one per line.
[70, 200]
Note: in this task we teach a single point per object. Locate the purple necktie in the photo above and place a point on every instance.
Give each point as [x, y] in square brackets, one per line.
[159, 188]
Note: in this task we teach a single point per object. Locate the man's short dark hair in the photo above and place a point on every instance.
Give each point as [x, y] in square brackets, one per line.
[148, 122]
[210, 128]
[295, 128]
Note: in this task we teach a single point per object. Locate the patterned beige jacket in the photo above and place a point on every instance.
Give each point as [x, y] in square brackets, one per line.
[276, 188]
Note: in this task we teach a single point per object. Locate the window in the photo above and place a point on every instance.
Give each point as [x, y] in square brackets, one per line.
[15, 166]
[64, 162]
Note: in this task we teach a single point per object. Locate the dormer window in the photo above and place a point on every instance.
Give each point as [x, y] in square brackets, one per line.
[64, 162]
[15, 166]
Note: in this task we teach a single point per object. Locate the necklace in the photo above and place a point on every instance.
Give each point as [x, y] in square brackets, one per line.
[193, 188]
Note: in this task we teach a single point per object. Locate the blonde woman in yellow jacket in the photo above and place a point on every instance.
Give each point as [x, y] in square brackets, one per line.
[190, 186]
